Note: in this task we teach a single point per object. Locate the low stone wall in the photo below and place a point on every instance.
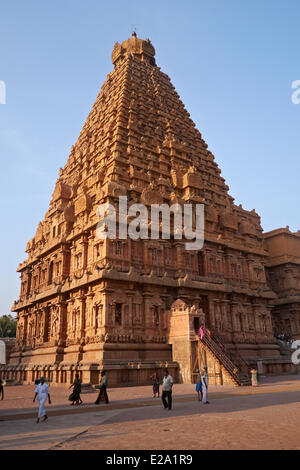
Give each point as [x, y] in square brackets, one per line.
[274, 366]
[120, 374]
[284, 366]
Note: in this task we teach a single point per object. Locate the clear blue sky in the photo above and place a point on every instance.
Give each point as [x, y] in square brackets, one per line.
[231, 61]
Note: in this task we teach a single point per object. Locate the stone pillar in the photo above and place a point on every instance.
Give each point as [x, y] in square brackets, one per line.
[62, 331]
[236, 328]
[65, 257]
[69, 316]
[25, 335]
[90, 313]
[106, 307]
[218, 315]
[147, 321]
[227, 321]
[84, 244]
[69, 377]
[260, 367]
[178, 247]
[179, 336]
[90, 258]
[72, 258]
[130, 296]
[82, 299]
[212, 313]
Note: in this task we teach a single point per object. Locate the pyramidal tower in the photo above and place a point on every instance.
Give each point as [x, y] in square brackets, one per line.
[135, 306]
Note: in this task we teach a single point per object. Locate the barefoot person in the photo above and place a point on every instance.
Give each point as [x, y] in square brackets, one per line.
[167, 390]
[103, 386]
[42, 392]
[204, 380]
[75, 395]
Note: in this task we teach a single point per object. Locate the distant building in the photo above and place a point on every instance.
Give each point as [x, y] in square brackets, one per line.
[283, 274]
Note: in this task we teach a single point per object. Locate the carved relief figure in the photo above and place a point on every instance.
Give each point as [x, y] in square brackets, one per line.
[55, 321]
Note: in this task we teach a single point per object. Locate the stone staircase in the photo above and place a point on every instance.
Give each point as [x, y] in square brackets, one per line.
[235, 365]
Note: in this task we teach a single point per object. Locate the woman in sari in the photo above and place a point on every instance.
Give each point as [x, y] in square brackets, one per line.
[155, 379]
[75, 395]
[202, 331]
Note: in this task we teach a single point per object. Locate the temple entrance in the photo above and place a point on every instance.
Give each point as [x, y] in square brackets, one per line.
[196, 324]
[204, 305]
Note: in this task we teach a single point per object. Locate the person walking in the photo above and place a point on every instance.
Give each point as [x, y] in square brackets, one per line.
[42, 392]
[167, 390]
[102, 391]
[204, 380]
[155, 378]
[75, 395]
[199, 386]
[2, 389]
[202, 331]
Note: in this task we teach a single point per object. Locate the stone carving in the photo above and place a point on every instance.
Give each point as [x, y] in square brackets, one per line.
[55, 321]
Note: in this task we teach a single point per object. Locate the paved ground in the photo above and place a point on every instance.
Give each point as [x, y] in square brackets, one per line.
[266, 417]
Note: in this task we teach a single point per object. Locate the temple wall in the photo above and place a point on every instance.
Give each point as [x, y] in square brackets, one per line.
[110, 323]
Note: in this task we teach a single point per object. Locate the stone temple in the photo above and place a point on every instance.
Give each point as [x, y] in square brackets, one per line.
[133, 306]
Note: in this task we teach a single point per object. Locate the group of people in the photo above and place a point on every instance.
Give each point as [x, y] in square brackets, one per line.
[202, 386]
[167, 384]
[42, 394]
[42, 391]
[102, 395]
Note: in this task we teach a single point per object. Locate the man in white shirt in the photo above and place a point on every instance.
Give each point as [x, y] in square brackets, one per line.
[42, 392]
[204, 380]
[167, 390]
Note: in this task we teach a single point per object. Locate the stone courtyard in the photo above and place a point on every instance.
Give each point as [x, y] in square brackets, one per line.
[263, 417]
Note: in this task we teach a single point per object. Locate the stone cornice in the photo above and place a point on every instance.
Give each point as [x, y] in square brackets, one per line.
[113, 274]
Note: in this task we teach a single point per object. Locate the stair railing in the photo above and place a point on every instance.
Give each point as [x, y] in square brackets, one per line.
[213, 343]
[235, 357]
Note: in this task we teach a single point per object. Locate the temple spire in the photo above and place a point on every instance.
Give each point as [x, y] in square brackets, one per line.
[134, 45]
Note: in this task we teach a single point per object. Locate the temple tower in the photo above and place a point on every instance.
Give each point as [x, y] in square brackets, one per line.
[87, 303]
